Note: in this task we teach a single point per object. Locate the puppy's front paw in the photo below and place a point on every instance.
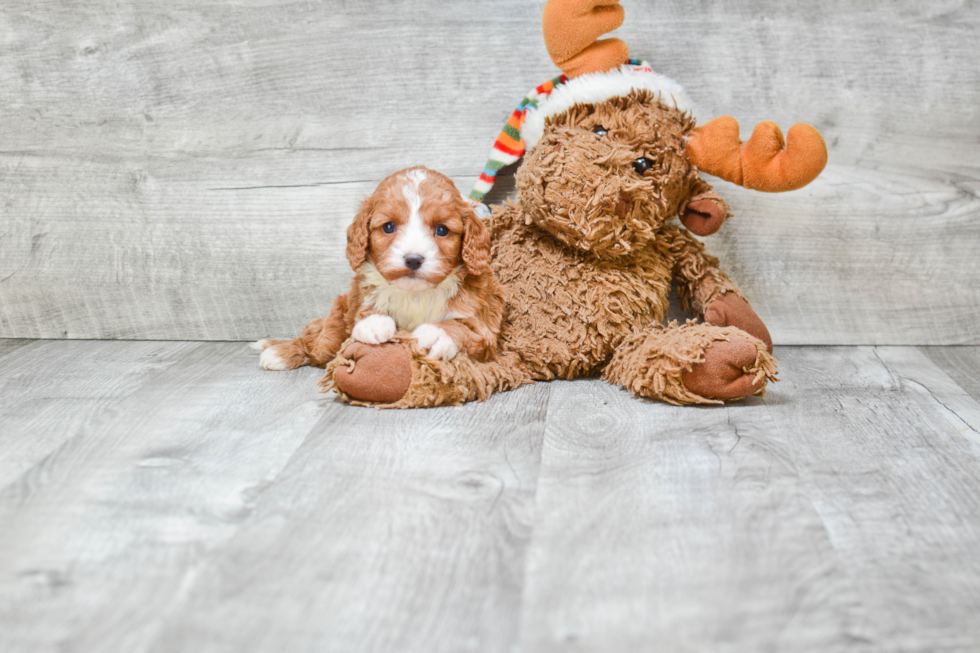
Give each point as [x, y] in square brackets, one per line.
[374, 330]
[436, 341]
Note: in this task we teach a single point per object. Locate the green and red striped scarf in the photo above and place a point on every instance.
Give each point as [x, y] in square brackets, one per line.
[509, 146]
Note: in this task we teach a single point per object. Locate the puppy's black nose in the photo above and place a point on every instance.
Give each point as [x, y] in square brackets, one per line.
[414, 261]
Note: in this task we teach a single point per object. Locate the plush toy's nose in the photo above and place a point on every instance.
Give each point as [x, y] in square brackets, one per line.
[414, 261]
[624, 204]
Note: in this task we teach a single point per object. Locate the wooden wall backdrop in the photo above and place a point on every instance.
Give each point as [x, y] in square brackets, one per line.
[185, 169]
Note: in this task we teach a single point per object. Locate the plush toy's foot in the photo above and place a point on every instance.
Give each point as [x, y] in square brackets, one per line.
[398, 374]
[723, 373]
[379, 374]
[732, 310]
[693, 364]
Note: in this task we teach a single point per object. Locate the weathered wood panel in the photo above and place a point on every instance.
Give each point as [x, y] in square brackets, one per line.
[838, 513]
[100, 539]
[667, 528]
[389, 531]
[179, 251]
[54, 391]
[176, 253]
[121, 120]
[887, 447]
[10, 346]
[220, 507]
[962, 364]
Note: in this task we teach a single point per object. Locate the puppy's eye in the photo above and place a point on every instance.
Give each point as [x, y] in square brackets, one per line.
[600, 131]
[388, 227]
[442, 230]
[642, 164]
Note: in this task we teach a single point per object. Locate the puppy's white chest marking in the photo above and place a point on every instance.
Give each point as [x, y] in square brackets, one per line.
[410, 309]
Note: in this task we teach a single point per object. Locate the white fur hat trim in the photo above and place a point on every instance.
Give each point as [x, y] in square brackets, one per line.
[598, 87]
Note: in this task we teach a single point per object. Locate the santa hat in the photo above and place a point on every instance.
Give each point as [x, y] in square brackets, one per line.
[525, 125]
[597, 70]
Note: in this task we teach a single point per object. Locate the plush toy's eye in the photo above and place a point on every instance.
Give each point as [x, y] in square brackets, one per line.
[600, 130]
[442, 230]
[388, 227]
[642, 164]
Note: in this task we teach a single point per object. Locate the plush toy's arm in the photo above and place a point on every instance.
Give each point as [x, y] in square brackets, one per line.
[706, 291]
[695, 273]
[706, 211]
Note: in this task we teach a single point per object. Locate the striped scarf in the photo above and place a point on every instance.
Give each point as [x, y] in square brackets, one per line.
[509, 146]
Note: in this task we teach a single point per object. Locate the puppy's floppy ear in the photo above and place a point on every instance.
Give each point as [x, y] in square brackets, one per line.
[476, 243]
[358, 234]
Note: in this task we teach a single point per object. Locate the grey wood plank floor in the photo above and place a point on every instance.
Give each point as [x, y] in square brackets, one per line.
[171, 496]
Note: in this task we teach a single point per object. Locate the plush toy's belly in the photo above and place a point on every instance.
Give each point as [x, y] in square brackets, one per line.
[568, 311]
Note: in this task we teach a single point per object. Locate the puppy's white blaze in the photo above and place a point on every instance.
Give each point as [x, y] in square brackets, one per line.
[415, 237]
[270, 360]
[417, 176]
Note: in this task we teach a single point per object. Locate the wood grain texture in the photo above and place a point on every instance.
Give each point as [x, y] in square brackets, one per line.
[685, 528]
[839, 513]
[893, 473]
[187, 254]
[961, 364]
[12, 345]
[176, 254]
[390, 531]
[55, 391]
[123, 120]
[937, 393]
[101, 538]
[209, 505]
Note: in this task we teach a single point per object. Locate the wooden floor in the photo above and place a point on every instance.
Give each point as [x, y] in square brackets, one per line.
[171, 496]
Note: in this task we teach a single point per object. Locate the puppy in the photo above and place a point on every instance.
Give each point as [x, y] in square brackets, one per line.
[422, 263]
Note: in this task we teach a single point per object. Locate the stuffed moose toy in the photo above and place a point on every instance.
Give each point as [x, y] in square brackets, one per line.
[589, 250]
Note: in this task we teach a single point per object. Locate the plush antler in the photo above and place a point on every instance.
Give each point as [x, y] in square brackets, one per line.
[571, 28]
[765, 162]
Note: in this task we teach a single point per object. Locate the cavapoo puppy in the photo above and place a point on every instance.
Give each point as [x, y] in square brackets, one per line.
[422, 263]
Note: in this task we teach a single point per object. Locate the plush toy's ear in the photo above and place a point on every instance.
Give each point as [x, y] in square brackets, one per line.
[476, 243]
[358, 233]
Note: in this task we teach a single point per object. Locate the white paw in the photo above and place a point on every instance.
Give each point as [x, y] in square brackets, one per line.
[482, 210]
[271, 360]
[259, 344]
[374, 329]
[436, 341]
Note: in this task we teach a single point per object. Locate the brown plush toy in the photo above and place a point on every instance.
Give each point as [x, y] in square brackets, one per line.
[588, 252]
